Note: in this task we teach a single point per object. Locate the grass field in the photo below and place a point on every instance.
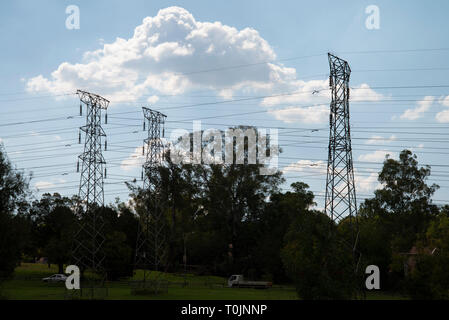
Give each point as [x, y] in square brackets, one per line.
[27, 284]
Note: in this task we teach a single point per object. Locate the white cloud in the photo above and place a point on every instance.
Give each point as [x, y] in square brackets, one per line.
[376, 156]
[316, 91]
[416, 113]
[363, 92]
[376, 139]
[315, 167]
[443, 116]
[44, 185]
[444, 101]
[135, 159]
[317, 114]
[165, 54]
[153, 99]
[168, 52]
[366, 184]
[417, 148]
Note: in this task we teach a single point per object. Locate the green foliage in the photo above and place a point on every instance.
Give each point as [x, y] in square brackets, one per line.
[59, 228]
[430, 279]
[118, 256]
[13, 193]
[117, 249]
[53, 224]
[214, 213]
[392, 221]
[229, 219]
[317, 259]
[315, 255]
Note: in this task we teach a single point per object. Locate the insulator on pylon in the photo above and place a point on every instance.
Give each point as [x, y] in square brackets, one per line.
[81, 109]
[106, 118]
[143, 125]
[141, 175]
[105, 173]
[143, 150]
[78, 166]
[106, 145]
[79, 137]
[163, 132]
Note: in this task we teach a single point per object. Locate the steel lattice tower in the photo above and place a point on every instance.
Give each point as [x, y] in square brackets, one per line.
[87, 253]
[340, 187]
[151, 242]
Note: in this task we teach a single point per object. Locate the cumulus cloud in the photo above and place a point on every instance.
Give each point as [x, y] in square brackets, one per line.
[292, 91]
[445, 101]
[365, 93]
[172, 52]
[317, 114]
[442, 116]
[314, 167]
[134, 160]
[376, 156]
[153, 99]
[416, 113]
[167, 53]
[377, 139]
[44, 185]
[315, 92]
[366, 184]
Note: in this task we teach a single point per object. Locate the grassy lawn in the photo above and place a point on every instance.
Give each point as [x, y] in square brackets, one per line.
[27, 284]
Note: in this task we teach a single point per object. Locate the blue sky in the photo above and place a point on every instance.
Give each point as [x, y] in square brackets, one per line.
[42, 59]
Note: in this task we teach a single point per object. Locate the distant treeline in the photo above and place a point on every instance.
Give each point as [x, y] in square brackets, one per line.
[229, 219]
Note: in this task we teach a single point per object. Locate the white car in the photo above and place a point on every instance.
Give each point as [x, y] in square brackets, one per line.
[55, 278]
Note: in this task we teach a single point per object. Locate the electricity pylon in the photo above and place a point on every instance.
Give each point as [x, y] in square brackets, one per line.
[87, 253]
[340, 199]
[151, 242]
[340, 187]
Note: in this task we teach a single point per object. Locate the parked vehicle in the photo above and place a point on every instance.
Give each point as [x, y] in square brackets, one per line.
[237, 281]
[55, 278]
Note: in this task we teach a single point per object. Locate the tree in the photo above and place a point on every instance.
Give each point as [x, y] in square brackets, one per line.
[60, 226]
[430, 279]
[317, 260]
[53, 224]
[281, 211]
[391, 222]
[235, 199]
[118, 256]
[220, 203]
[13, 202]
[118, 252]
